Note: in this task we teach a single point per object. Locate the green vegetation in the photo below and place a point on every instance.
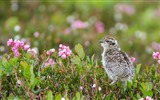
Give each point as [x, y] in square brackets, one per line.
[35, 74]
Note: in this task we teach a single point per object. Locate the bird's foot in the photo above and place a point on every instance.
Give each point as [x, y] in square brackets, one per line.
[113, 82]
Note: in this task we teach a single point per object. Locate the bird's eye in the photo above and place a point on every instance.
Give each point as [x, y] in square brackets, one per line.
[113, 43]
[107, 41]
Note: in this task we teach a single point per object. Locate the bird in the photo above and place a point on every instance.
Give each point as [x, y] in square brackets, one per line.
[116, 62]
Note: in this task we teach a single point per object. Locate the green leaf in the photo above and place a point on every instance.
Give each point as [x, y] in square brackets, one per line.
[32, 78]
[26, 72]
[149, 86]
[78, 97]
[138, 96]
[129, 84]
[4, 61]
[153, 70]
[88, 59]
[146, 89]
[16, 98]
[58, 97]
[49, 95]
[13, 61]
[138, 68]
[147, 93]
[7, 66]
[0, 73]
[11, 97]
[92, 58]
[79, 50]
[144, 86]
[76, 60]
[66, 98]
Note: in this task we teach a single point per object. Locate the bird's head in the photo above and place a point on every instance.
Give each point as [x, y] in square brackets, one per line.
[109, 43]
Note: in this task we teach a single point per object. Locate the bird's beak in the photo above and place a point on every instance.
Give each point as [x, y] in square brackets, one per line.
[100, 41]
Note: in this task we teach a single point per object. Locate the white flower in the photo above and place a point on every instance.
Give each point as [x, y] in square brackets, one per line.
[141, 99]
[99, 88]
[48, 76]
[81, 88]
[62, 98]
[19, 83]
[94, 85]
[17, 28]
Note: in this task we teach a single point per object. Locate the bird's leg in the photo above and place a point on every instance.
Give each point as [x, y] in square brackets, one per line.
[114, 81]
[124, 83]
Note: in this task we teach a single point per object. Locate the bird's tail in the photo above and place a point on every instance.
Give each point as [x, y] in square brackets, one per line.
[131, 76]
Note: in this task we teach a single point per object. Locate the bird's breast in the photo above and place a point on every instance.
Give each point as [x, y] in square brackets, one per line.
[103, 59]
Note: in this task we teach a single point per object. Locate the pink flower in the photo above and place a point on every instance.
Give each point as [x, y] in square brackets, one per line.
[17, 54]
[67, 31]
[99, 27]
[148, 98]
[141, 99]
[50, 52]
[64, 56]
[158, 61]
[60, 46]
[50, 62]
[26, 47]
[16, 46]
[157, 12]
[156, 46]
[15, 43]
[36, 34]
[125, 8]
[60, 63]
[133, 59]
[158, 56]
[14, 49]
[8, 57]
[155, 55]
[64, 51]
[32, 51]
[21, 44]
[78, 24]
[10, 42]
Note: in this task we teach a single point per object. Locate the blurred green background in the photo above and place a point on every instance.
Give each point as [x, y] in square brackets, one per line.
[46, 24]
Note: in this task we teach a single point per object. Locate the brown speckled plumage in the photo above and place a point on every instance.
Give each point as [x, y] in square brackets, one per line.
[116, 63]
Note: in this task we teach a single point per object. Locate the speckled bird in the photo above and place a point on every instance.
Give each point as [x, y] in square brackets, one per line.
[116, 63]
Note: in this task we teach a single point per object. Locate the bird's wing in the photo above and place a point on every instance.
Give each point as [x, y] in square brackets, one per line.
[118, 69]
[129, 63]
[119, 64]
